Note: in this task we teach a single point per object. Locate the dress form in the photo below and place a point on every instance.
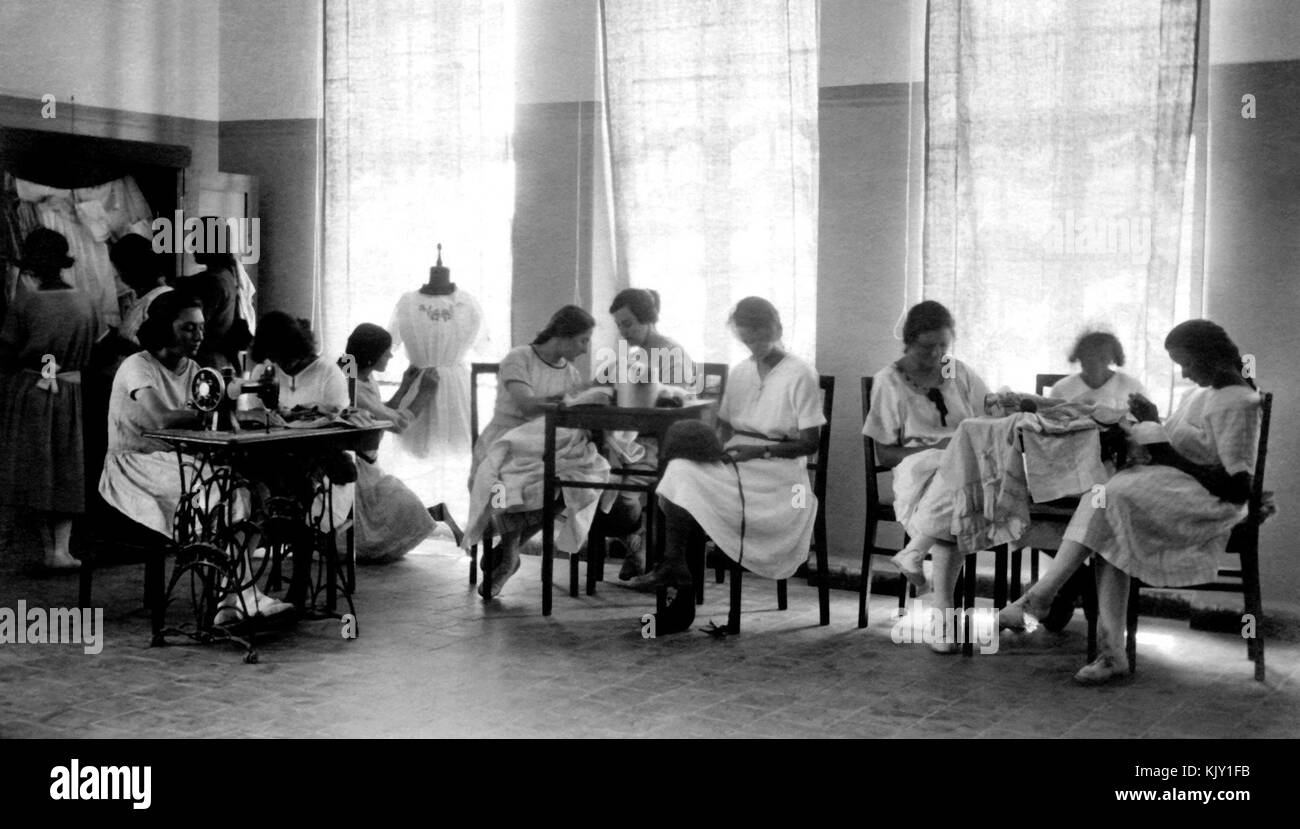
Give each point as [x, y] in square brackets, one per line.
[439, 283]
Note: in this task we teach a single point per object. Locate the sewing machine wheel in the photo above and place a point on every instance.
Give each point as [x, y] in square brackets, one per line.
[207, 389]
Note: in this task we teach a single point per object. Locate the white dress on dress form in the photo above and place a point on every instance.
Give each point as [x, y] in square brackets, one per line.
[438, 331]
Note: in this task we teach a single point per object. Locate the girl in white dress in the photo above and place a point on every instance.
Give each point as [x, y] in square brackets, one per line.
[770, 420]
[151, 391]
[531, 378]
[390, 518]
[1098, 383]
[1166, 522]
[916, 404]
[308, 380]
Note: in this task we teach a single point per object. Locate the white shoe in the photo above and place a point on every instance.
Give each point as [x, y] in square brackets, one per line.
[254, 602]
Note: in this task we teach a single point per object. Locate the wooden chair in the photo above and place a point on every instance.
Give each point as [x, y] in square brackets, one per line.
[876, 514]
[1244, 543]
[818, 468]
[477, 370]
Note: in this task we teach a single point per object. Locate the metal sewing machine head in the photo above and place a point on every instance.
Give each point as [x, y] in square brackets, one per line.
[217, 393]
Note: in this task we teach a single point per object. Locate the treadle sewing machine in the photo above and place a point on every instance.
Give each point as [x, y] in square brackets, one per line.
[217, 394]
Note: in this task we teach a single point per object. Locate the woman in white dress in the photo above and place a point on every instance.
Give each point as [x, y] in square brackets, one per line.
[916, 404]
[770, 419]
[151, 391]
[505, 484]
[390, 518]
[1098, 383]
[309, 381]
[1165, 522]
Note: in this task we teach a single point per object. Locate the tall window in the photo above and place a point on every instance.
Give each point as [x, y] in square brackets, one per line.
[712, 120]
[1056, 171]
[419, 109]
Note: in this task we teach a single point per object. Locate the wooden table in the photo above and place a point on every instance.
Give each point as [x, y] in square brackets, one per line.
[651, 423]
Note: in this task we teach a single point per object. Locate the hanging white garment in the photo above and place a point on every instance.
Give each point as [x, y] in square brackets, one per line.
[433, 454]
[89, 218]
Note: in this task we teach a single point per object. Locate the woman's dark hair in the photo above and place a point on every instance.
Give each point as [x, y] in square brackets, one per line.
[642, 302]
[926, 316]
[135, 260]
[45, 252]
[1211, 349]
[1095, 342]
[156, 332]
[281, 335]
[569, 321]
[367, 343]
[756, 314]
[216, 261]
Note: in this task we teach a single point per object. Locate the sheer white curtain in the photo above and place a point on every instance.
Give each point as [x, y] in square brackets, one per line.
[419, 110]
[1056, 155]
[712, 121]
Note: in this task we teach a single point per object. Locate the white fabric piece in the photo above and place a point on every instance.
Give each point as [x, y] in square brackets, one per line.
[510, 479]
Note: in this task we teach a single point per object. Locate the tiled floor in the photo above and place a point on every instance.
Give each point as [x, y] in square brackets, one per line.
[434, 661]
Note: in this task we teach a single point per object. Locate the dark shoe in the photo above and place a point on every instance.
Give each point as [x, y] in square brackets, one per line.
[679, 615]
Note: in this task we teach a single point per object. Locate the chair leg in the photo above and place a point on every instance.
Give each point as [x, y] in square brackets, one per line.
[1255, 607]
[473, 565]
[487, 567]
[864, 586]
[733, 615]
[966, 589]
[1131, 646]
[573, 571]
[823, 567]
[782, 600]
[595, 561]
[1000, 577]
[1033, 566]
[1016, 566]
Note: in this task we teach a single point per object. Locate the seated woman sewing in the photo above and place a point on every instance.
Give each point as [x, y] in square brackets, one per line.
[312, 384]
[390, 520]
[506, 476]
[916, 404]
[1165, 521]
[151, 391]
[770, 419]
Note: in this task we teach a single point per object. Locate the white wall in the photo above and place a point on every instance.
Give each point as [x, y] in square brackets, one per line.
[271, 54]
[555, 60]
[872, 41]
[153, 56]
